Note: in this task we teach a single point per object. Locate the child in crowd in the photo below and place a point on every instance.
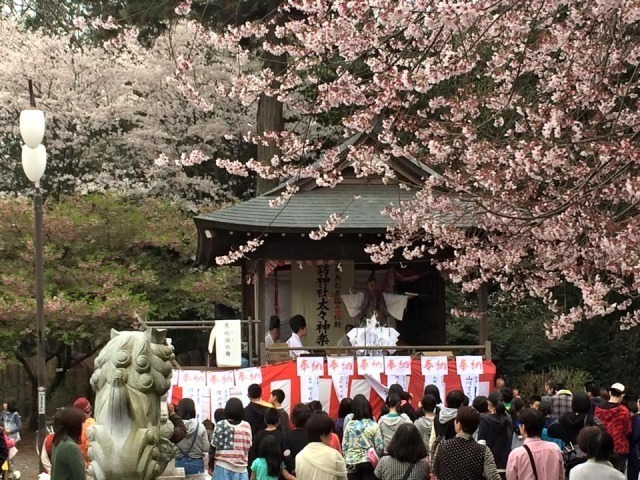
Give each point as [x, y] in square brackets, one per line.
[424, 424]
[269, 463]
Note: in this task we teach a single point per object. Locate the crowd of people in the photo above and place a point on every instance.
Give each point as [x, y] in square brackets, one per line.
[577, 435]
[561, 434]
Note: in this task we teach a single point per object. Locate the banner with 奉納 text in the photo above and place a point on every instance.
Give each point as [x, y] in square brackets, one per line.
[285, 376]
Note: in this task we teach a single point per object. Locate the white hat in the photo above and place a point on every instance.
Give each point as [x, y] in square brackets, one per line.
[618, 386]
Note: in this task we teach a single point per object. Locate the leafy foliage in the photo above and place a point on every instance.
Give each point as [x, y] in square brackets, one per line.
[521, 350]
[533, 383]
[109, 263]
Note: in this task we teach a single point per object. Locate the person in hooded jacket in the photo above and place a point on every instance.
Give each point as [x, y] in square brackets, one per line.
[616, 420]
[424, 424]
[496, 429]
[390, 422]
[84, 405]
[254, 412]
[568, 426]
[444, 423]
[192, 448]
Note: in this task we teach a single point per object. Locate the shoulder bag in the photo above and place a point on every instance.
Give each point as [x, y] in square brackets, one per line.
[193, 442]
[372, 455]
[533, 463]
[408, 472]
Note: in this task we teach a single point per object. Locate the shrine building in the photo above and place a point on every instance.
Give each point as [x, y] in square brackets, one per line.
[292, 274]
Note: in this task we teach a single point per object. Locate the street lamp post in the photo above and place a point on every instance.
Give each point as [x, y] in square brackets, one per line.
[34, 162]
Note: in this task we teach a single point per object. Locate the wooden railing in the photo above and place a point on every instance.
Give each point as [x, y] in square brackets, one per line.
[413, 350]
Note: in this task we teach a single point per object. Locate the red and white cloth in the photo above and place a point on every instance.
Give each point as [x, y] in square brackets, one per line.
[284, 376]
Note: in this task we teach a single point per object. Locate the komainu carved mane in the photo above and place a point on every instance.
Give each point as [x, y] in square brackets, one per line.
[132, 373]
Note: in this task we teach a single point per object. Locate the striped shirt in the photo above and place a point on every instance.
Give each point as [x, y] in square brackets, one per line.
[232, 443]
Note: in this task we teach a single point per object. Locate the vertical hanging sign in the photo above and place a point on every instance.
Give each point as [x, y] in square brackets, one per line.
[322, 292]
[337, 302]
[310, 369]
[470, 368]
[340, 369]
[434, 369]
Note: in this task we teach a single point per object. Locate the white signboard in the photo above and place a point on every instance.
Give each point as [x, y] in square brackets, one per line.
[373, 366]
[340, 366]
[227, 337]
[310, 366]
[434, 365]
[397, 365]
[469, 365]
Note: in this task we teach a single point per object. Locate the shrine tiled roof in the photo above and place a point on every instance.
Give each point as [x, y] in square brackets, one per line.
[306, 210]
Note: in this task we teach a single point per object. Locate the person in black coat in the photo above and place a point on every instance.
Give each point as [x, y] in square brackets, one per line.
[295, 440]
[254, 412]
[496, 429]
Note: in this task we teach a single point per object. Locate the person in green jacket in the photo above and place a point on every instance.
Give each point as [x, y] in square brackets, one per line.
[66, 460]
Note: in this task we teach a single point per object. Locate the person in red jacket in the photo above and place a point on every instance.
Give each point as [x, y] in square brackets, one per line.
[616, 420]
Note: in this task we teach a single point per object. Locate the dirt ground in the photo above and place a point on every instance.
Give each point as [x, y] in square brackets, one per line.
[27, 458]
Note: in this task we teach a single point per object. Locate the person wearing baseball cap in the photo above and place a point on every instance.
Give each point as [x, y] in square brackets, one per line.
[616, 420]
[84, 405]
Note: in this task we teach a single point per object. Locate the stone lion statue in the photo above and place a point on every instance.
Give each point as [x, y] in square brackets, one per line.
[129, 440]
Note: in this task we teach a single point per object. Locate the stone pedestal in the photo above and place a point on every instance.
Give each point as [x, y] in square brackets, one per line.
[172, 472]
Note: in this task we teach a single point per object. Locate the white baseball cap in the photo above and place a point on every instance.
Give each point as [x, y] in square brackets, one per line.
[618, 386]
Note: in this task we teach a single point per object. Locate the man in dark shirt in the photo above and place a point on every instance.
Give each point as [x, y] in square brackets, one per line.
[276, 399]
[254, 412]
[593, 391]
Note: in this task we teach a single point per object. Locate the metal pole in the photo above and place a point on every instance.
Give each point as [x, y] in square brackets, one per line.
[41, 352]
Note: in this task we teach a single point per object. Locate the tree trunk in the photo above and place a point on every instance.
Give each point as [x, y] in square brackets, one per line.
[270, 113]
[33, 411]
[64, 363]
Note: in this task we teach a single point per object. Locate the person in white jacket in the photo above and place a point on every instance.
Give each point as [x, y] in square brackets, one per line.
[390, 422]
[318, 461]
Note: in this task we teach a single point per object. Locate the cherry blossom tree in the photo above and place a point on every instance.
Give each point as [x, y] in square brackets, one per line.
[525, 110]
[116, 119]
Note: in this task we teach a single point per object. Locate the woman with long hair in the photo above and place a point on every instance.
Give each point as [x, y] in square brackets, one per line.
[496, 429]
[405, 401]
[362, 441]
[67, 462]
[343, 411]
[318, 460]
[269, 464]
[407, 456]
[193, 447]
[231, 442]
